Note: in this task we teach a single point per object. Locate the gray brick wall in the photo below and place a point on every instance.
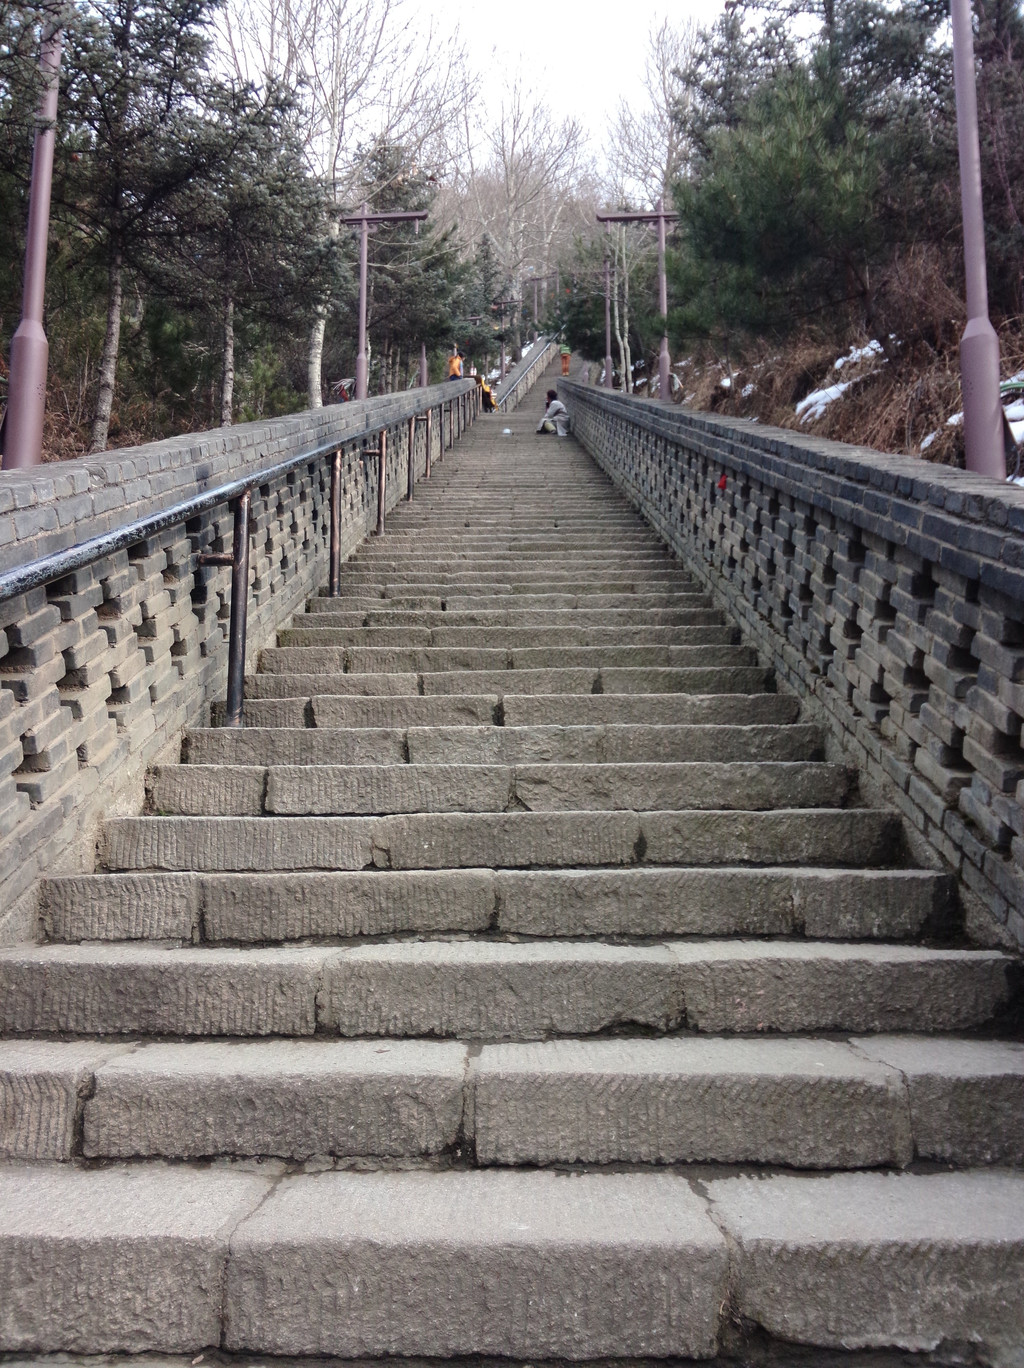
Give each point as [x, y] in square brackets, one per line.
[887, 593]
[100, 670]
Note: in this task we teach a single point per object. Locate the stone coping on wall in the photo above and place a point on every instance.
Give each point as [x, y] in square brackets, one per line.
[52, 507]
[886, 592]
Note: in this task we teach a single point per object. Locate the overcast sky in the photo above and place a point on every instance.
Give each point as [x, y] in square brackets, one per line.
[581, 57]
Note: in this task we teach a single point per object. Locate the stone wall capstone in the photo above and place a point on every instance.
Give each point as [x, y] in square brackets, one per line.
[887, 593]
[102, 667]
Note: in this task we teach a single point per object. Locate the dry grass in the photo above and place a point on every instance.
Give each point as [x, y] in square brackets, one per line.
[893, 404]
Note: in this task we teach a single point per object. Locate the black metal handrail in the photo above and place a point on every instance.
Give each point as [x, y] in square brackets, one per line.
[238, 494]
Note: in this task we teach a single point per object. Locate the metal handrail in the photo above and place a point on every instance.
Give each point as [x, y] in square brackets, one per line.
[548, 342]
[238, 494]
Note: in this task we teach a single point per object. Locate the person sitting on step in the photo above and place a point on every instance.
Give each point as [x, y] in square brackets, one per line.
[556, 416]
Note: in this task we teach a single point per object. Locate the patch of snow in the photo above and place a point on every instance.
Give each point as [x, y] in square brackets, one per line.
[748, 390]
[1011, 378]
[688, 398]
[810, 409]
[726, 382]
[1018, 432]
[859, 354]
[954, 420]
[927, 441]
[1014, 411]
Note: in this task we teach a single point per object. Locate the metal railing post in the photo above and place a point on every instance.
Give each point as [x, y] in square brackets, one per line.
[430, 415]
[410, 476]
[382, 474]
[239, 611]
[335, 561]
[238, 559]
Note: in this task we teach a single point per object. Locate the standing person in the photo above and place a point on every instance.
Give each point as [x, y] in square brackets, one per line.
[566, 357]
[556, 416]
[455, 365]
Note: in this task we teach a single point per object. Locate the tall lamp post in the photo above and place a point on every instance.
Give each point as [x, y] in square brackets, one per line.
[608, 368]
[364, 219]
[660, 217]
[26, 392]
[979, 346]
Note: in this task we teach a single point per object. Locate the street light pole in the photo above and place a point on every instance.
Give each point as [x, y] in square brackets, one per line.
[361, 364]
[424, 377]
[979, 346]
[663, 358]
[659, 218]
[364, 219]
[26, 393]
[608, 384]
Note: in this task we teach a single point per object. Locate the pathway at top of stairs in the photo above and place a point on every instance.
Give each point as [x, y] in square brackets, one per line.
[536, 984]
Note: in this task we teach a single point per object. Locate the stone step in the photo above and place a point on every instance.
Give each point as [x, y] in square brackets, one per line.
[335, 615]
[505, 639]
[801, 1103]
[615, 743]
[848, 904]
[454, 840]
[494, 989]
[172, 1258]
[301, 790]
[516, 1265]
[312, 659]
[516, 588]
[562, 602]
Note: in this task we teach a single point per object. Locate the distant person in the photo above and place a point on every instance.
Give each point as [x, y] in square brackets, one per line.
[566, 358]
[556, 416]
[455, 366]
[486, 397]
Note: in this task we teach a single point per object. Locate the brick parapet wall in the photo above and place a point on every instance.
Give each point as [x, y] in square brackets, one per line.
[887, 593]
[101, 669]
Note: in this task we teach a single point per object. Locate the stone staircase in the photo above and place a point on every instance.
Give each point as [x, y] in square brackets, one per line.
[521, 980]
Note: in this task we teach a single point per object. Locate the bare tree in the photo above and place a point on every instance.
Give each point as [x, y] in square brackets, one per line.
[649, 150]
[373, 75]
[521, 184]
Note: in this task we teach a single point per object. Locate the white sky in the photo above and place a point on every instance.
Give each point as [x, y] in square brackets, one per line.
[579, 57]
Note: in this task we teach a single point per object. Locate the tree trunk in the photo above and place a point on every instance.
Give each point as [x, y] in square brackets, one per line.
[316, 354]
[227, 394]
[108, 359]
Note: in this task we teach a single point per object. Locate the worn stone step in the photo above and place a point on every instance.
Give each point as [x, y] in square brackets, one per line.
[637, 605]
[242, 907]
[801, 1103]
[592, 600]
[333, 614]
[493, 989]
[649, 709]
[424, 659]
[127, 1258]
[506, 639]
[616, 743]
[291, 1098]
[858, 1260]
[841, 837]
[518, 1265]
[339, 790]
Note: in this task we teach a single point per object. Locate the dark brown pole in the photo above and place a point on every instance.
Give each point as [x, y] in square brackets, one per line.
[239, 611]
[382, 459]
[26, 392]
[335, 562]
